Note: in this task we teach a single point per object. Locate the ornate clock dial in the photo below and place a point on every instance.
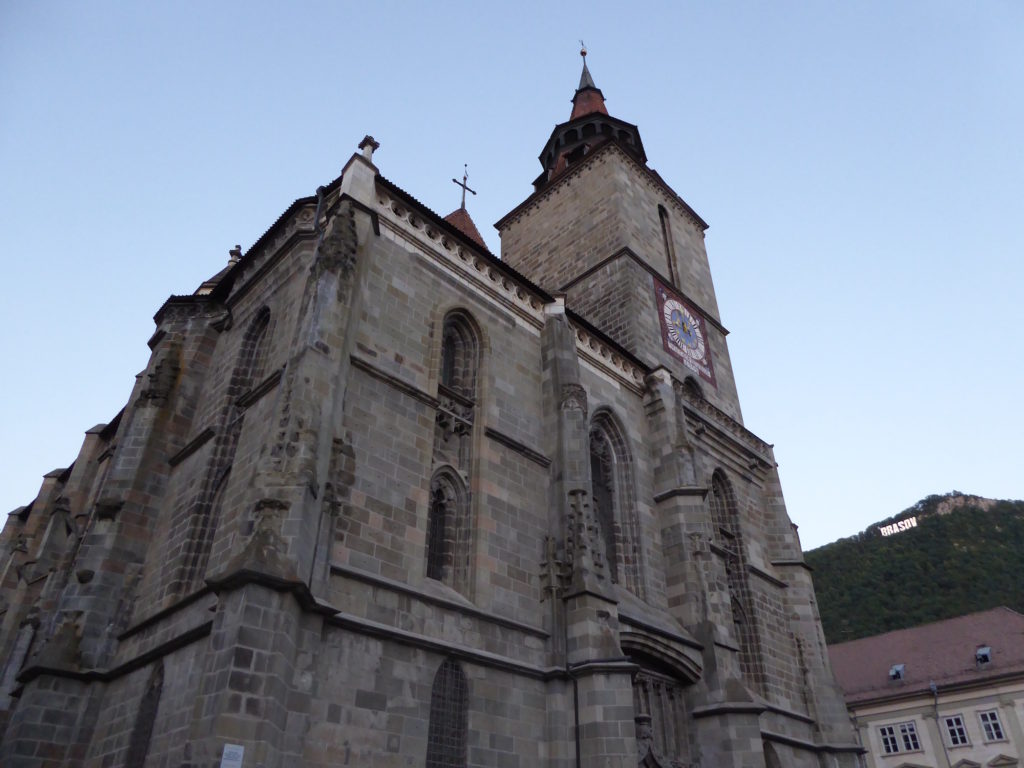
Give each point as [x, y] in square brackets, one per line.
[683, 329]
[684, 332]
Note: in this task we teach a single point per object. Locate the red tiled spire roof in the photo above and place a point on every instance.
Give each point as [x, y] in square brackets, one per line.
[588, 98]
[461, 220]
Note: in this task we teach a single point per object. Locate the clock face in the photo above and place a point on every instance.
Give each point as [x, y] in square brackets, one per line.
[683, 329]
[684, 332]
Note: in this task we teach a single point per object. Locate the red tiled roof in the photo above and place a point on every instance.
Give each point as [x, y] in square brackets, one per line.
[460, 219]
[942, 652]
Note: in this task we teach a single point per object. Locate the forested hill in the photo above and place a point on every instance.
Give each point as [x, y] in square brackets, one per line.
[944, 557]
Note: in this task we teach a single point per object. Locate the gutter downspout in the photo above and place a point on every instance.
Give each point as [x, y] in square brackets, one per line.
[935, 693]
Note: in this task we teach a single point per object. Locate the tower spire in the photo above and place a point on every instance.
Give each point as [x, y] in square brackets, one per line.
[588, 97]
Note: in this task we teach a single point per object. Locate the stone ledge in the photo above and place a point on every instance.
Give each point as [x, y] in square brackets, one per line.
[107, 675]
[402, 386]
[405, 589]
[514, 445]
[461, 652]
[191, 447]
[792, 741]
[255, 394]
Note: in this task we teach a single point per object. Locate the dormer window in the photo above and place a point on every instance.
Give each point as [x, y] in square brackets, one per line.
[897, 671]
[983, 655]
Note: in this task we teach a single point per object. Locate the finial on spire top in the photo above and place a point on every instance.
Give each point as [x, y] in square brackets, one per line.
[465, 188]
[586, 81]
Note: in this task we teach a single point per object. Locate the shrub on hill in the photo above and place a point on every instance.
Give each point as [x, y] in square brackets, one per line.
[950, 564]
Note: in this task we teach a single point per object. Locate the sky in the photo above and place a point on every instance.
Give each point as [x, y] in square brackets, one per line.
[860, 166]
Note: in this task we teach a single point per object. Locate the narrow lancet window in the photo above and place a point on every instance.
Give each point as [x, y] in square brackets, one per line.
[670, 248]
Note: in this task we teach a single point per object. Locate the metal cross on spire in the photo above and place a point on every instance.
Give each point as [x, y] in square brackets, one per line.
[465, 188]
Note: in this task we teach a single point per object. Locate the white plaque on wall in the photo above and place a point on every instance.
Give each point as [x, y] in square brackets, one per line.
[232, 757]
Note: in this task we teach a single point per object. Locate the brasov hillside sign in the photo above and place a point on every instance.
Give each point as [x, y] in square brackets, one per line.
[902, 525]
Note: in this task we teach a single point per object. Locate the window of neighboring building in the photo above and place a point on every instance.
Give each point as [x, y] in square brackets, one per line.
[901, 737]
[991, 726]
[957, 731]
[889, 742]
[908, 732]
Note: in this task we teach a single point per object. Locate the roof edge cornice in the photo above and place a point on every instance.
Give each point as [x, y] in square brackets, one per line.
[573, 170]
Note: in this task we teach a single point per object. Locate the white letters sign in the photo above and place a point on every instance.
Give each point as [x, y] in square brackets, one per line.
[232, 757]
[902, 525]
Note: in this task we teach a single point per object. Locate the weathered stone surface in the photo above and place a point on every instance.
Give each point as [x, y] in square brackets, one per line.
[378, 500]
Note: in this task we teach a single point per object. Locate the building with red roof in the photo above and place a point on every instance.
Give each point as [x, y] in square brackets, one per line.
[947, 694]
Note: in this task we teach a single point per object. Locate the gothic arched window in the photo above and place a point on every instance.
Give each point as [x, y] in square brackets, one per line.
[729, 536]
[457, 389]
[612, 495]
[460, 354]
[252, 357]
[602, 477]
[448, 531]
[449, 717]
[724, 515]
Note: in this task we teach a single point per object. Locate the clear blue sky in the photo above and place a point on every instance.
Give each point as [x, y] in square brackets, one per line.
[860, 164]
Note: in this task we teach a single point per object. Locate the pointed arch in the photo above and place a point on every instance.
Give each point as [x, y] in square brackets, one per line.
[145, 718]
[692, 389]
[204, 510]
[448, 530]
[771, 757]
[724, 513]
[669, 245]
[460, 354]
[458, 383]
[728, 534]
[613, 495]
[449, 717]
[252, 355]
[660, 712]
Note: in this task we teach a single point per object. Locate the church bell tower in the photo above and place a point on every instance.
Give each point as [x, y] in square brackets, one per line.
[605, 229]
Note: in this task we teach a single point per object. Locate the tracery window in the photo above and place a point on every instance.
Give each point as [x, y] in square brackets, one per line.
[602, 469]
[460, 354]
[457, 388]
[449, 717]
[612, 495]
[448, 531]
[728, 535]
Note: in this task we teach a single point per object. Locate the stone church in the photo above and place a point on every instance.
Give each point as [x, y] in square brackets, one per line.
[382, 498]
